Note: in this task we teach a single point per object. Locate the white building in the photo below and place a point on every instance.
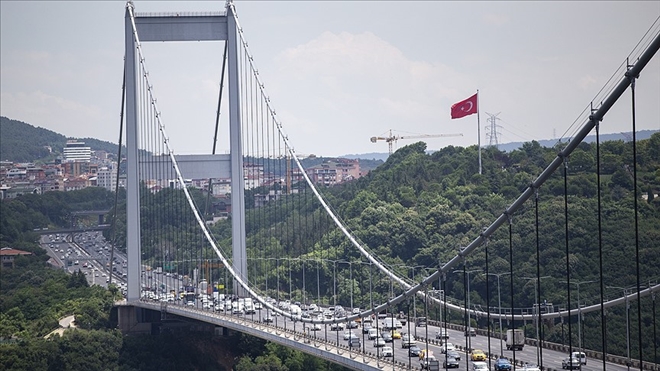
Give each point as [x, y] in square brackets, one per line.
[76, 152]
[107, 178]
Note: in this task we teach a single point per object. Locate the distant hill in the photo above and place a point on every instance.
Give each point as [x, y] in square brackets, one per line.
[508, 147]
[22, 142]
[626, 137]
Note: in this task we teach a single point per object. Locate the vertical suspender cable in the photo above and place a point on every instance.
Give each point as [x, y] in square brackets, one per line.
[466, 314]
[113, 233]
[603, 318]
[513, 324]
[487, 308]
[217, 123]
[568, 266]
[539, 346]
[639, 297]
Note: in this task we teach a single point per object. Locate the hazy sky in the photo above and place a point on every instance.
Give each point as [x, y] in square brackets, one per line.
[338, 72]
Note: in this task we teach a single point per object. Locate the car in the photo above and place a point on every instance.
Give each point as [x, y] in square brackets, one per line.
[354, 342]
[570, 363]
[267, 319]
[455, 354]
[413, 351]
[257, 305]
[502, 364]
[387, 336]
[379, 342]
[478, 355]
[407, 341]
[348, 334]
[396, 334]
[337, 327]
[315, 327]
[352, 324]
[447, 347]
[425, 362]
[581, 356]
[356, 310]
[365, 328]
[479, 366]
[442, 334]
[529, 367]
[450, 362]
[387, 352]
[373, 333]
[470, 332]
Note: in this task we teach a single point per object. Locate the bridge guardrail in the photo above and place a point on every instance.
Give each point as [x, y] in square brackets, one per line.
[620, 360]
[368, 358]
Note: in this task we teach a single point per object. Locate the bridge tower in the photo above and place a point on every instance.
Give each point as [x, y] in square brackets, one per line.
[182, 27]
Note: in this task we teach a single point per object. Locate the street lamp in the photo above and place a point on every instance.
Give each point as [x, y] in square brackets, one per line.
[469, 325]
[536, 306]
[580, 314]
[499, 306]
[625, 293]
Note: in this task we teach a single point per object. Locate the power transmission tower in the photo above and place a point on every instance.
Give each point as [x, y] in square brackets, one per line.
[492, 129]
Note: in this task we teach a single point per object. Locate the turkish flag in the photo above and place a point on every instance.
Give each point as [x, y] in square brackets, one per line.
[464, 107]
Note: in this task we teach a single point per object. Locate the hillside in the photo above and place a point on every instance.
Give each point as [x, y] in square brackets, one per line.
[22, 142]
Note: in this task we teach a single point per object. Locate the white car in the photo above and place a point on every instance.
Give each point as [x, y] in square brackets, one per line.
[387, 352]
[581, 356]
[447, 347]
[479, 366]
[337, 326]
[379, 342]
[348, 334]
[315, 327]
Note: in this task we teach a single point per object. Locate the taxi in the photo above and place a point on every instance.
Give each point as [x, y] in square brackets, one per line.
[478, 355]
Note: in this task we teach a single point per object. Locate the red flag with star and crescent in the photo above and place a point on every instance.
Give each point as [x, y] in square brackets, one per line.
[464, 108]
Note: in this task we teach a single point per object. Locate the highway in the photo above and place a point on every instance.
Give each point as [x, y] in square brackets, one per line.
[92, 253]
[552, 359]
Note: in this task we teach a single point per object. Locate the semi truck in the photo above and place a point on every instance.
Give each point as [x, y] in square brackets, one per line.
[515, 339]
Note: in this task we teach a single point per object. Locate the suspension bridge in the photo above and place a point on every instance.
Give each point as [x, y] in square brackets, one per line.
[286, 267]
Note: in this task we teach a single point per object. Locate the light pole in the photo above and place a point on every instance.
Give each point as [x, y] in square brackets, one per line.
[537, 311]
[625, 293]
[499, 306]
[580, 315]
[468, 334]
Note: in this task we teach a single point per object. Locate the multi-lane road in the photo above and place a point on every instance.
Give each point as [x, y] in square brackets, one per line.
[90, 253]
[529, 355]
[87, 252]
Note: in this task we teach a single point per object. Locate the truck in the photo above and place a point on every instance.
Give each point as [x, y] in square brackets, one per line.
[247, 305]
[295, 311]
[390, 323]
[515, 339]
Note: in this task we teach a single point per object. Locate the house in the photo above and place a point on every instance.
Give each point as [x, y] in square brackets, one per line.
[7, 255]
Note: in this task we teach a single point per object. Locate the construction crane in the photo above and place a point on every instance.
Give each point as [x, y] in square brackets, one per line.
[393, 138]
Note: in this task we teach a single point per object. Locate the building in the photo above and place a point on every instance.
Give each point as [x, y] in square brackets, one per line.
[106, 177]
[76, 152]
[7, 255]
[334, 171]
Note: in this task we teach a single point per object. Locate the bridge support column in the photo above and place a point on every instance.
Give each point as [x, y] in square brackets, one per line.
[128, 318]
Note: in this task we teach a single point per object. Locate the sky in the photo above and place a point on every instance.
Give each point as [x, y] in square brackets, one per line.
[338, 72]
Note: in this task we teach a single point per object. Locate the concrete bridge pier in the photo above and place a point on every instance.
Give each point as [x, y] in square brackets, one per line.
[133, 320]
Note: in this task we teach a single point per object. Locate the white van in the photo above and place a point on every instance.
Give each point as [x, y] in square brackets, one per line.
[373, 333]
[581, 356]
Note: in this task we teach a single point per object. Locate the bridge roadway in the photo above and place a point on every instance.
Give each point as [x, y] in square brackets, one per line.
[323, 343]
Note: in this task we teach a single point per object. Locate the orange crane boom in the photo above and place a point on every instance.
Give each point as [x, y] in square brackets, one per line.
[394, 138]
